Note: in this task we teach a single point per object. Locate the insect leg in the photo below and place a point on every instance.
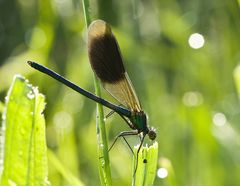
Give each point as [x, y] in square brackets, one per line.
[123, 134]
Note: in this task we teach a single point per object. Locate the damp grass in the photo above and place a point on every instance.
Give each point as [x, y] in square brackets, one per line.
[103, 156]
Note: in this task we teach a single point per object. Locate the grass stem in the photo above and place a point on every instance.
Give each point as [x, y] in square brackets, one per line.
[103, 163]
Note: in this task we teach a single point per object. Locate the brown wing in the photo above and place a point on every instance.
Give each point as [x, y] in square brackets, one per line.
[124, 92]
[107, 63]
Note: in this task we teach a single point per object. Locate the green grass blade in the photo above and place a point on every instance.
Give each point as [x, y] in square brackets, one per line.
[23, 127]
[236, 75]
[103, 162]
[66, 174]
[147, 165]
[1, 107]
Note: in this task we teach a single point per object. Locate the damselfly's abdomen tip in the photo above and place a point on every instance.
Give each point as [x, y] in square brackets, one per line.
[29, 63]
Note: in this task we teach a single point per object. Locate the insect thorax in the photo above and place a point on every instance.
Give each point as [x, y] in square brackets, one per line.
[139, 120]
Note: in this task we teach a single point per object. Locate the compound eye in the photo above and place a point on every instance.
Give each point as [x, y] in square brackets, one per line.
[152, 134]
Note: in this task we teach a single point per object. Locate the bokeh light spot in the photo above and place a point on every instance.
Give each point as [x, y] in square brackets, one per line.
[192, 99]
[63, 122]
[36, 38]
[162, 173]
[196, 41]
[219, 119]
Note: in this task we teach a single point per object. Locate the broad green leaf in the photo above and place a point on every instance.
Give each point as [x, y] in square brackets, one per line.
[23, 129]
[146, 165]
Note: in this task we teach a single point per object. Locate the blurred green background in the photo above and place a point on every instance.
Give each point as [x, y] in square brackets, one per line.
[189, 93]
